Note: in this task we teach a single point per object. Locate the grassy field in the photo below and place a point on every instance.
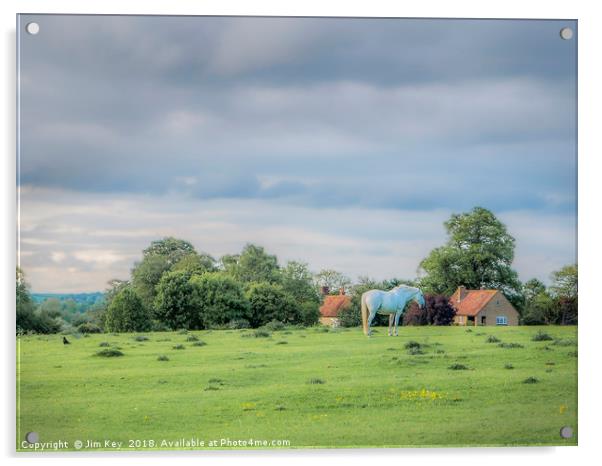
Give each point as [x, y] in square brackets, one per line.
[301, 388]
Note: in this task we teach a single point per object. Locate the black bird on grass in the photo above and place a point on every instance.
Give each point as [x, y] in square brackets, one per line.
[65, 341]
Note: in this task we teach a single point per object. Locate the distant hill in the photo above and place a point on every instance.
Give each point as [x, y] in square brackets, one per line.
[83, 301]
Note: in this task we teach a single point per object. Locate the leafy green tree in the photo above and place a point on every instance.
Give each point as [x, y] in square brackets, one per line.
[195, 264]
[540, 310]
[270, 302]
[253, 264]
[26, 319]
[146, 275]
[126, 313]
[171, 248]
[478, 254]
[174, 304]
[531, 289]
[564, 289]
[333, 280]
[565, 282]
[217, 300]
[297, 281]
[161, 256]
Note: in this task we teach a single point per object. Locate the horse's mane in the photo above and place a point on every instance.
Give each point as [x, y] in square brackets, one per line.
[405, 287]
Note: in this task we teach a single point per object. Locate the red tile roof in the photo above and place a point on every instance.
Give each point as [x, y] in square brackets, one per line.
[334, 304]
[473, 301]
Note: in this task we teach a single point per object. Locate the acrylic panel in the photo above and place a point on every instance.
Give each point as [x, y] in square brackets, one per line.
[295, 232]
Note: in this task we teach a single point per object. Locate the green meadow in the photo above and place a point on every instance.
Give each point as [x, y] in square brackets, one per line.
[300, 388]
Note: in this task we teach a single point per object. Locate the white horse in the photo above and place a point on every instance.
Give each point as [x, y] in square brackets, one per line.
[388, 302]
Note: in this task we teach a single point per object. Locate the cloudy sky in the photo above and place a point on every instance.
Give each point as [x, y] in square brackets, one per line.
[344, 143]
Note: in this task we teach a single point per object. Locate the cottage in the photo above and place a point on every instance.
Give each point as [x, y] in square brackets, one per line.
[332, 306]
[482, 307]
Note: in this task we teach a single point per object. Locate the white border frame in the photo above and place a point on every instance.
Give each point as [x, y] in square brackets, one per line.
[590, 27]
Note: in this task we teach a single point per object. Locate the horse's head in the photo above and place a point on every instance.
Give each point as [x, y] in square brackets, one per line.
[419, 299]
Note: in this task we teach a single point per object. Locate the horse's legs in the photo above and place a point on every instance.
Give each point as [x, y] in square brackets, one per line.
[390, 323]
[397, 316]
[370, 319]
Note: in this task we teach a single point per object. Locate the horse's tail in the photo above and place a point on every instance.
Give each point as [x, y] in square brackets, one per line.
[364, 314]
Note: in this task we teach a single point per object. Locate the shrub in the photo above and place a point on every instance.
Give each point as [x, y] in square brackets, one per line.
[104, 344]
[274, 326]
[492, 339]
[88, 327]
[199, 343]
[458, 367]
[109, 353]
[192, 338]
[261, 333]
[179, 347]
[565, 342]
[126, 313]
[162, 357]
[436, 311]
[510, 345]
[141, 338]
[531, 380]
[174, 304]
[237, 324]
[541, 336]
[316, 381]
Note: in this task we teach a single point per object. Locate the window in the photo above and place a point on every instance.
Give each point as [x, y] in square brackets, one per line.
[501, 320]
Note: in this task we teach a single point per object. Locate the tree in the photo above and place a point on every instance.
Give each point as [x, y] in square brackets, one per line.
[126, 313]
[297, 281]
[146, 275]
[332, 280]
[531, 289]
[157, 259]
[269, 302]
[478, 254]
[564, 290]
[565, 281]
[25, 304]
[171, 248]
[217, 300]
[540, 310]
[253, 264]
[174, 303]
[195, 264]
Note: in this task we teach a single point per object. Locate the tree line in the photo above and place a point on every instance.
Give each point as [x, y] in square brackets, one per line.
[173, 286]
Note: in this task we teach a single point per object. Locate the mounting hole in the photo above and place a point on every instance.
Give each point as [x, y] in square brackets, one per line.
[566, 432]
[566, 33]
[32, 28]
[32, 437]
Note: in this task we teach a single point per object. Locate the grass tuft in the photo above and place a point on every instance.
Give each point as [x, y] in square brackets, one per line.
[541, 336]
[316, 381]
[104, 344]
[162, 357]
[510, 345]
[508, 366]
[199, 343]
[492, 339]
[109, 353]
[458, 367]
[529, 380]
[141, 338]
[178, 347]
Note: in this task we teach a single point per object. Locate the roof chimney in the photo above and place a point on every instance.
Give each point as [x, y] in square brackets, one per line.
[461, 293]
